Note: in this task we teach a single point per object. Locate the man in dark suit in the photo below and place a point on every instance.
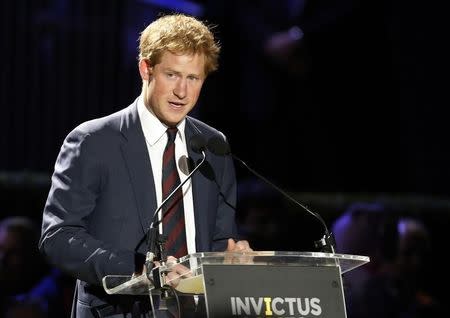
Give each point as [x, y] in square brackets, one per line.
[107, 180]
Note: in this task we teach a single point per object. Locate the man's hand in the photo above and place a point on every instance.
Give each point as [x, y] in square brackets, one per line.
[239, 246]
[236, 247]
[176, 272]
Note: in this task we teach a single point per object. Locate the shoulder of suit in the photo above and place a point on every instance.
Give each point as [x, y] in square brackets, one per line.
[203, 128]
[106, 125]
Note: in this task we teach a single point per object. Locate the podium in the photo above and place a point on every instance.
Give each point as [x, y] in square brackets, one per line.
[250, 284]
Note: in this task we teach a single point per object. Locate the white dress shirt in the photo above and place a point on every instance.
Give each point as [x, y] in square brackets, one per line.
[156, 140]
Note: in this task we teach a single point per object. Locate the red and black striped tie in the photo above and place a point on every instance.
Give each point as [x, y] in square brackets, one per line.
[173, 210]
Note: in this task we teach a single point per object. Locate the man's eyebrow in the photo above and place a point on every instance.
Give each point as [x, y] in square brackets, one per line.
[168, 69]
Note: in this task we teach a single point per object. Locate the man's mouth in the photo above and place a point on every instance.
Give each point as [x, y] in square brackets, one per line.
[176, 104]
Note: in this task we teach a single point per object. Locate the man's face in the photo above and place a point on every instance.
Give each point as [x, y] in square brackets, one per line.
[173, 85]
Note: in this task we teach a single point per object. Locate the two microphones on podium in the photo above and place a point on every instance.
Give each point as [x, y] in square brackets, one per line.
[218, 146]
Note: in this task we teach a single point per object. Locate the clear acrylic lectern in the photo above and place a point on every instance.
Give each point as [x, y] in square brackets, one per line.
[250, 284]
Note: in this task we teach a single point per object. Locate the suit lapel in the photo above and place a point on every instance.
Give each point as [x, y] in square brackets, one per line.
[199, 186]
[136, 156]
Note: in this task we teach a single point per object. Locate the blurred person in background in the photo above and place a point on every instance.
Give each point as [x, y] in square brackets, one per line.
[403, 289]
[22, 271]
[367, 229]
[395, 284]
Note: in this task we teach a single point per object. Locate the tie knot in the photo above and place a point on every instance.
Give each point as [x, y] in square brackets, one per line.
[172, 133]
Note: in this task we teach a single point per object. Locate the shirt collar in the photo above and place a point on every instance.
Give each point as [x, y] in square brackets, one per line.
[153, 128]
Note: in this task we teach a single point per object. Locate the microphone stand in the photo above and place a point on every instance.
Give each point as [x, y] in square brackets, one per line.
[326, 244]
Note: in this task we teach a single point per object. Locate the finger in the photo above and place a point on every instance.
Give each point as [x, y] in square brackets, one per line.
[231, 244]
[243, 246]
[171, 260]
[182, 270]
[172, 279]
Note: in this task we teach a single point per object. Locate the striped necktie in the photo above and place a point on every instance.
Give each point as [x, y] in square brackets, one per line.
[173, 210]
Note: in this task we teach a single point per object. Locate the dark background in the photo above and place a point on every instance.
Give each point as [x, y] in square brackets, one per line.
[367, 114]
[358, 112]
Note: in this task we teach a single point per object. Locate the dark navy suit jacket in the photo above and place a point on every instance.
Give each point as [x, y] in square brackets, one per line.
[102, 199]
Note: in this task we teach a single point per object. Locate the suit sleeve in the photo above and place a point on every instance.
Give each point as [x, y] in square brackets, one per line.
[65, 239]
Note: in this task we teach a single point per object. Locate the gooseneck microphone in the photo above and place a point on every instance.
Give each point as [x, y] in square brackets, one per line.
[220, 147]
[155, 241]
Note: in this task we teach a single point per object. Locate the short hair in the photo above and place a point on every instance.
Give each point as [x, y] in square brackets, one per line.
[24, 226]
[367, 228]
[180, 34]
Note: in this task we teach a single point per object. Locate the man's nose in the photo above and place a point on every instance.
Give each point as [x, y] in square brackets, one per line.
[180, 89]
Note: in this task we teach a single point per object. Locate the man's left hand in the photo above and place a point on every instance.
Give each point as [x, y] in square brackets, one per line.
[239, 246]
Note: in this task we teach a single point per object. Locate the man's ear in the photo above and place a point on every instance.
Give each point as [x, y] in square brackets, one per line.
[145, 69]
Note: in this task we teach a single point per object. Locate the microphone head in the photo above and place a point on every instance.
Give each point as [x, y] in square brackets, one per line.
[218, 146]
[198, 143]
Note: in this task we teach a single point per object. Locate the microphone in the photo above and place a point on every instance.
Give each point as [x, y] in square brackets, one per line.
[198, 143]
[220, 147]
[155, 241]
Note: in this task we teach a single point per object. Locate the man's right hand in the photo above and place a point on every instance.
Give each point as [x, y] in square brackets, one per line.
[175, 272]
